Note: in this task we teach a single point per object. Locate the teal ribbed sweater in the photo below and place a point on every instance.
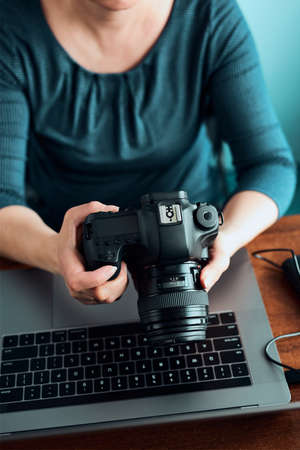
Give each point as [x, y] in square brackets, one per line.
[68, 136]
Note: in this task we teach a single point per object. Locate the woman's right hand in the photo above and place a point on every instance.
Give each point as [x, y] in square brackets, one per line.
[89, 287]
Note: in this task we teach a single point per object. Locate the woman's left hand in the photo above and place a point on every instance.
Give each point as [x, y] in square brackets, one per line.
[219, 260]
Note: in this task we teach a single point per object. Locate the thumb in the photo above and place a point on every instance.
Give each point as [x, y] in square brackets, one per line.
[218, 264]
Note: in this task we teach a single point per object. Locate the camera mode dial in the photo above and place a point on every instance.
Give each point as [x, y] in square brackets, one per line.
[206, 216]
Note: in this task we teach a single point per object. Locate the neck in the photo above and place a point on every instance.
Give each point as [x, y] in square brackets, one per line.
[120, 16]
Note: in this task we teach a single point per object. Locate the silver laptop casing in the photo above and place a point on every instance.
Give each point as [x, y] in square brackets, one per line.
[32, 300]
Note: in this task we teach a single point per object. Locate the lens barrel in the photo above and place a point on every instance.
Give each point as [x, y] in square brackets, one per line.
[172, 305]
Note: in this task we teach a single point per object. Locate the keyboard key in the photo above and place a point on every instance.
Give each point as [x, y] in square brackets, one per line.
[204, 346]
[19, 353]
[228, 317]
[222, 371]
[205, 373]
[47, 350]
[11, 395]
[121, 355]
[232, 356]
[75, 374]
[49, 390]
[153, 379]
[138, 353]
[171, 377]
[43, 338]
[92, 372]
[77, 334]
[137, 381]
[119, 383]
[102, 385]
[42, 377]
[10, 341]
[24, 379]
[105, 357]
[66, 389]
[59, 336]
[88, 359]
[7, 381]
[126, 368]
[32, 393]
[14, 366]
[54, 362]
[110, 370]
[112, 343]
[38, 364]
[84, 387]
[95, 345]
[188, 375]
[71, 360]
[160, 364]
[63, 348]
[188, 348]
[27, 339]
[143, 366]
[211, 358]
[172, 350]
[154, 352]
[143, 340]
[79, 347]
[221, 331]
[213, 319]
[128, 341]
[194, 360]
[227, 343]
[177, 362]
[58, 375]
[239, 370]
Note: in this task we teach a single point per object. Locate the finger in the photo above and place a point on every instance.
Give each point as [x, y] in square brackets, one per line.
[112, 290]
[211, 273]
[78, 214]
[81, 280]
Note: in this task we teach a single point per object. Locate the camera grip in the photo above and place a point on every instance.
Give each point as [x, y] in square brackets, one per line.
[96, 255]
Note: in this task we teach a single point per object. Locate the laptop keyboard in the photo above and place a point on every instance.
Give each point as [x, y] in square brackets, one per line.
[98, 364]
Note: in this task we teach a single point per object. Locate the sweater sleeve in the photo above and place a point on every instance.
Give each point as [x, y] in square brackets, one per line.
[246, 117]
[14, 126]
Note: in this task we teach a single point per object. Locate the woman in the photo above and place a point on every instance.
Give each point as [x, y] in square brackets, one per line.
[106, 100]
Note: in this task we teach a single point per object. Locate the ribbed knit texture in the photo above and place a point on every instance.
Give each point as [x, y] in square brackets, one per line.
[68, 136]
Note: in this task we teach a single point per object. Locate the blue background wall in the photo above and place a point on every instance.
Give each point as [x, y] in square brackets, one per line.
[276, 28]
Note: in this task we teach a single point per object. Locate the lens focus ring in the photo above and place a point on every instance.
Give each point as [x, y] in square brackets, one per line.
[172, 299]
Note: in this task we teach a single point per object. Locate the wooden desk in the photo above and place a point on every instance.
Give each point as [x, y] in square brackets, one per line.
[270, 431]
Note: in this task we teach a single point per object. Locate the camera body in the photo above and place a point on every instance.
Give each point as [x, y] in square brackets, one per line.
[165, 244]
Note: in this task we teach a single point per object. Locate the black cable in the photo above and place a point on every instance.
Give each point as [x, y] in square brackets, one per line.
[292, 375]
[258, 256]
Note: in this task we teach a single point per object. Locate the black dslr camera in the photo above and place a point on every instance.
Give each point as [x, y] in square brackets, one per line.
[165, 244]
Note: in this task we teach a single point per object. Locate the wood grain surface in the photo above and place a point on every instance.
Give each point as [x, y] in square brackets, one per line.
[276, 431]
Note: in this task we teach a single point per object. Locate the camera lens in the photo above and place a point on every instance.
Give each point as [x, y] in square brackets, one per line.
[172, 305]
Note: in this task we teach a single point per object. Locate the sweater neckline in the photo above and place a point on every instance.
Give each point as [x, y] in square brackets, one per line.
[155, 47]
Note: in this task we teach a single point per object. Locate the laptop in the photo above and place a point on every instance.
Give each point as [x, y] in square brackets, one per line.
[68, 367]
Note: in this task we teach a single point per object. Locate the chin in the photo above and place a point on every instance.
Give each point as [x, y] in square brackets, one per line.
[115, 5]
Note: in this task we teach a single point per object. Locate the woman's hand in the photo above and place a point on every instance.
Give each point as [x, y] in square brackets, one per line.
[246, 215]
[90, 287]
[220, 254]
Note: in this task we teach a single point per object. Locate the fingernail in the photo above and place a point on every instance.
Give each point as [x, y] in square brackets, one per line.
[207, 282]
[109, 271]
